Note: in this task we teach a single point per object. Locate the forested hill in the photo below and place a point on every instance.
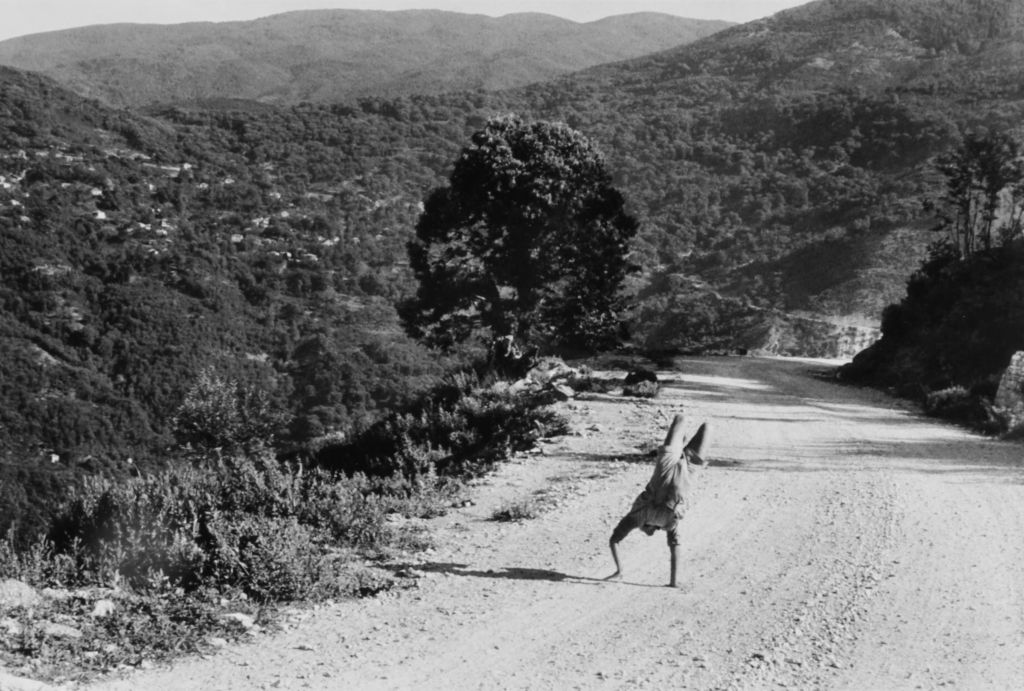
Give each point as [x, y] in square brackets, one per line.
[333, 55]
[789, 159]
[137, 253]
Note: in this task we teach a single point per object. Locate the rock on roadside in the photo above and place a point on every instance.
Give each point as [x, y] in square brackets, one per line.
[17, 594]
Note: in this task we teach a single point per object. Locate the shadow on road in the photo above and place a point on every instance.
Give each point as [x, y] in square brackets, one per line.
[960, 461]
[506, 573]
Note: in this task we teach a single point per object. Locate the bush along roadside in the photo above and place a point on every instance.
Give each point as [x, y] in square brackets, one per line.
[139, 571]
[460, 429]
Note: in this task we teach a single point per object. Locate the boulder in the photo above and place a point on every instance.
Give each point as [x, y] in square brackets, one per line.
[102, 608]
[550, 370]
[58, 594]
[1011, 387]
[246, 621]
[1009, 401]
[563, 392]
[640, 375]
[11, 628]
[522, 386]
[17, 594]
[55, 630]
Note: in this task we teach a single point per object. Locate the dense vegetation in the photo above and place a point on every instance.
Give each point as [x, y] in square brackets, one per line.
[958, 326]
[184, 554]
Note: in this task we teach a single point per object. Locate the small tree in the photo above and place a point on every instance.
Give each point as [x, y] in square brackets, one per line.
[983, 186]
[529, 239]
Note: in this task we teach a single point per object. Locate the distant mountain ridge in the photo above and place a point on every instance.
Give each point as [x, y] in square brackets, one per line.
[335, 55]
[857, 44]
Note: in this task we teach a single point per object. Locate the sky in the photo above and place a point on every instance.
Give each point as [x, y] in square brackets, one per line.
[20, 17]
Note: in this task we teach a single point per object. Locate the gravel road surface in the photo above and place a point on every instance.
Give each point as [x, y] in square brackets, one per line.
[838, 540]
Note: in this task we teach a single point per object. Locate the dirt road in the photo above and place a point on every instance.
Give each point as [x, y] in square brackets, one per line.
[838, 540]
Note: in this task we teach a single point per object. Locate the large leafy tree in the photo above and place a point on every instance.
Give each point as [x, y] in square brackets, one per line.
[528, 239]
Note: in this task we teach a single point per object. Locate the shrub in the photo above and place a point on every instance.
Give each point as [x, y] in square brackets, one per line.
[38, 564]
[460, 429]
[221, 413]
[245, 523]
[271, 529]
[428, 497]
[520, 510]
[954, 403]
[271, 558]
[352, 515]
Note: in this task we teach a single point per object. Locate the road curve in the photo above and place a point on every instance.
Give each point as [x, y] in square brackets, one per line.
[838, 540]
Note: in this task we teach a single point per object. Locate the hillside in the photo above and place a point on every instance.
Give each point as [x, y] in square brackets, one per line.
[789, 159]
[333, 55]
[136, 258]
[267, 243]
[914, 45]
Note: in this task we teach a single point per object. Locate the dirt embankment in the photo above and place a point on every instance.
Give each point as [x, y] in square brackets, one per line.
[838, 540]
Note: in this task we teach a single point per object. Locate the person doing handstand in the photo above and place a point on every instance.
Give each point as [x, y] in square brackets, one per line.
[663, 502]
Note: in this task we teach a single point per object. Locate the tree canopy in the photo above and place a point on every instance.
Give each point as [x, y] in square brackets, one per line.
[528, 239]
[984, 192]
[950, 338]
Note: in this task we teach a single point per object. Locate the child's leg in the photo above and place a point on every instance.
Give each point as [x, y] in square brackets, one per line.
[674, 438]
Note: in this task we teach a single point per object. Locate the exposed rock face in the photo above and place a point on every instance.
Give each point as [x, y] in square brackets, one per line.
[853, 339]
[806, 336]
[1010, 397]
